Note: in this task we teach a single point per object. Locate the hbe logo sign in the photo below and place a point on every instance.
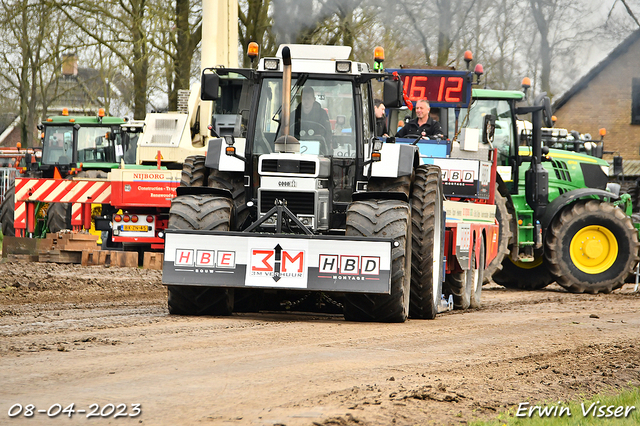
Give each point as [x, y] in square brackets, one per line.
[206, 258]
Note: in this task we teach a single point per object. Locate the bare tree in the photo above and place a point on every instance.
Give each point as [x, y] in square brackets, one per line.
[120, 26]
[176, 33]
[30, 45]
[255, 24]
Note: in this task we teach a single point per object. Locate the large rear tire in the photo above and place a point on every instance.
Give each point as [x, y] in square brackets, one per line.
[7, 212]
[200, 213]
[388, 219]
[427, 242]
[504, 236]
[524, 275]
[234, 183]
[592, 246]
[194, 172]
[456, 285]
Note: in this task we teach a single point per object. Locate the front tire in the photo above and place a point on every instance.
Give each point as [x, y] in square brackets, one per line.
[427, 242]
[505, 234]
[388, 219]
[200, 213]
[592, 246]
[524, 275]
[7, 209]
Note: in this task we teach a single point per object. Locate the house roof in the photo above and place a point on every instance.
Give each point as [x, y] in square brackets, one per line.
[619, 50]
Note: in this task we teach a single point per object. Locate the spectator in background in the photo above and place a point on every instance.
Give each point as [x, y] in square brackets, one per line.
[381, 119]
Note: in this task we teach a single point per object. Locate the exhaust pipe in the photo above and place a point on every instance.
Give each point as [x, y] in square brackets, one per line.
[286, 142]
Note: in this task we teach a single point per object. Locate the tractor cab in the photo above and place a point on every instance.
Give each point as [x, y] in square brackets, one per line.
[67, 142]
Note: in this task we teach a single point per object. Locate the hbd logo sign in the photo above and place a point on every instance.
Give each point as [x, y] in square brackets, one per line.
[349, 265]
[467, 176]
[277, 262]
[206, 258]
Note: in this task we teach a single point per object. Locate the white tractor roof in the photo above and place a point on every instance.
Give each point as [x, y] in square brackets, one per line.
[307, 51]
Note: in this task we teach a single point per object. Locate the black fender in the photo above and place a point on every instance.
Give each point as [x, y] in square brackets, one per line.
[203, 190]
[568, 198]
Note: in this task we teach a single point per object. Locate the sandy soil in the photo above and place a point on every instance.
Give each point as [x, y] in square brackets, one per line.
[101, 335]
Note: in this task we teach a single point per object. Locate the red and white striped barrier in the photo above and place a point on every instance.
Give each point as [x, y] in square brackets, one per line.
[80, 192]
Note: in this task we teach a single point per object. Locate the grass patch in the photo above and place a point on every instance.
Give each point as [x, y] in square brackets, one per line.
[600, 410]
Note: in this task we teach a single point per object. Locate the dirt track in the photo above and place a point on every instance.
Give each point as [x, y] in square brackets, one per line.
[103, 335]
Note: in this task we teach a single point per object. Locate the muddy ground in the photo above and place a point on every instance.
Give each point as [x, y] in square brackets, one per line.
[99, 335]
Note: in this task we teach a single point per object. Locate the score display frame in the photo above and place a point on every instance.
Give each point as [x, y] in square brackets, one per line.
[443, 88]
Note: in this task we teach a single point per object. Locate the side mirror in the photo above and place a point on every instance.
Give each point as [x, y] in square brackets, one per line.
[209, 86]
[392, 95]
[543, 100]
[488, 128]
[617, 165]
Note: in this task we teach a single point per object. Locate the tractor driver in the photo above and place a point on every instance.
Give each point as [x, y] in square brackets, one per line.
[423, 125]
[310, 114]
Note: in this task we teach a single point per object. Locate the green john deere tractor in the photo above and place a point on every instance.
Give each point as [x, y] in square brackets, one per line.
[82, 146]
[559, 221]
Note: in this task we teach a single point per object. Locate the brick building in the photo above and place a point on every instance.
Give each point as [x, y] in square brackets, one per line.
[608, 96]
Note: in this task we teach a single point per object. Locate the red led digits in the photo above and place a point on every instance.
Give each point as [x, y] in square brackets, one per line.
[457, 89]
[435, 88]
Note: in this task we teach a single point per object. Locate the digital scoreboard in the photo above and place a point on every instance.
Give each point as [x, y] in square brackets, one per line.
[442, 88]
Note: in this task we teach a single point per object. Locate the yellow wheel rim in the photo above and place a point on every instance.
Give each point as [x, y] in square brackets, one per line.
[593, 249]
[527, 265]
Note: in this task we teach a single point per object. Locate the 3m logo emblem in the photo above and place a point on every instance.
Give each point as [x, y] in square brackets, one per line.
[205, 258]
[349, 265]
[277, 262]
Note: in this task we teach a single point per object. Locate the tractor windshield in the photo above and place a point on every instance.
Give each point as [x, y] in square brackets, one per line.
[501, 109]
[94, 144]
[322, 117]
[57, 146]
[99, 145]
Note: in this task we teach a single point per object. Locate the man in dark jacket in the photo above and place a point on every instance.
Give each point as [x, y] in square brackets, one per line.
[310, 111]
[381, 120]
[422, 125]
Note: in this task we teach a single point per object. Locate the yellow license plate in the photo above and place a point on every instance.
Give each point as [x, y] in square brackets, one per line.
[135, 228]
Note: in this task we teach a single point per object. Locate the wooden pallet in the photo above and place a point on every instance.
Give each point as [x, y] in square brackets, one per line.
[92, 257]
[153, 260]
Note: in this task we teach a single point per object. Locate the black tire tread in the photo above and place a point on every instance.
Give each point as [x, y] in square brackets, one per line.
[505, 234]
[514, 277]
[200, 212]
[389, 219]
[7, 212]
[194, 172]
[426, 201]
[456, 285]
[234, 183]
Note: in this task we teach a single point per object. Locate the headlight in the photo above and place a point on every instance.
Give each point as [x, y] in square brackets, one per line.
[343, 66]
[606, 170]
[271, 64]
